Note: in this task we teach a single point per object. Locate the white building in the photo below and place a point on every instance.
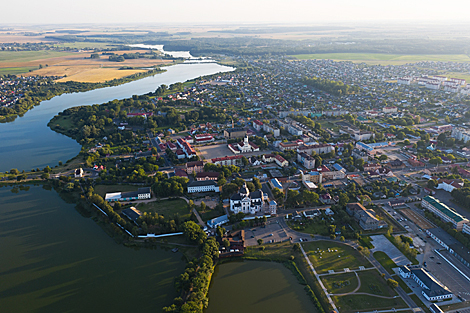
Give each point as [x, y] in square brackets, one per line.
[203, 186]
[271, 129]
[444, 212]
[433, 290]
[461, 134]
[390, 109]
[406, 80]
[247, 202]
[243, 147]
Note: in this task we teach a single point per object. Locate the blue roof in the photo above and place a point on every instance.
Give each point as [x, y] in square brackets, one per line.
[276, 183]
[364, 146]
[218, 220]
[338, 167]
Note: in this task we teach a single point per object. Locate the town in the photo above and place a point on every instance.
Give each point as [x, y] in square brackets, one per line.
[363, 170]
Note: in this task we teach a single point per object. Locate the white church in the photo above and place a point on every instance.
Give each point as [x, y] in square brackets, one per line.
[247, 202]
[243, 147]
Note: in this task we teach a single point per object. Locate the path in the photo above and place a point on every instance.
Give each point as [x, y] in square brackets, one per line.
[348, 293]
[318, 278]
[153, 200]
[199, 219]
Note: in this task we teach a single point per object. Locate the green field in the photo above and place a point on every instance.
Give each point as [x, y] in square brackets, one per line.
[15, 70]
[277, 251]
[386, 262]
[82, 45]
[340, 283]
[340, 256]
[353, 303]
[420, 303]
[25, 56]
[373, 283]
[168, 208]
[382, 58]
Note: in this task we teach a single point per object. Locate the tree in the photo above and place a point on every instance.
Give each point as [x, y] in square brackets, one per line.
[226, 243]
[14, 171]
[392, 283]
[310, 196]
[194, 232]
[343, 199]
[245, 161]
[257, 183]
[260, 241]
[47, 169]
[432, 183]
[436, 161]
[296, 247]
[45, 175]
[220, 231]
[383, 157]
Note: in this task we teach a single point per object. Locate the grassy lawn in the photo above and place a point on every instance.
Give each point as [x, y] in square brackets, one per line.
[210, 214]
[103, 189]
[340, 283]
[315, 228]
[386, 262]
[402, 284]
[420, 303]
[372, 282]
[383, 58]
[25, 56]
[167, 208]
[340, 256]
[279, 251]
[353, 303]
[15, 70]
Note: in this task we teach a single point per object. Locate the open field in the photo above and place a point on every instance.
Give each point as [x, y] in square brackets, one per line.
[373, 283]
[353, 303]
[76, 66]
[384, 59]
[417, 219]
[340, 283]
[385, 261]
[168, 208]
[277, 251]
[340, 256]
[420, 303]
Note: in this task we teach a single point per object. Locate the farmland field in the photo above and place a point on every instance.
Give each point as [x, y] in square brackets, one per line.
[382, 58]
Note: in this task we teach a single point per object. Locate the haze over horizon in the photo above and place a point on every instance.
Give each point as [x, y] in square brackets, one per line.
[241, 11]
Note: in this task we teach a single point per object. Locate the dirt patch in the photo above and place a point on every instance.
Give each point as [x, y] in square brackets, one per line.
[417, 219]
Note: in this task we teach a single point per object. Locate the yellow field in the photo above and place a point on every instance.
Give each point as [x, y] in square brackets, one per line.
[98, 75]
[76, 66]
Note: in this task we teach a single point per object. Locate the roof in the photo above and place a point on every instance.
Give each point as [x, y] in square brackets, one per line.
[113, 196]
[202, 183]
[436, 288]
[132, 213]
[444, 209]
[338, 167]
[208, 174]
[194, 163]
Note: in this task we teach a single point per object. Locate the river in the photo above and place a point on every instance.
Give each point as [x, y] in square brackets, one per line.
[28, 143]
[53, 260]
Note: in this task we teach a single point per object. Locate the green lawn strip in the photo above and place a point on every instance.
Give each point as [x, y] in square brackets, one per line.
[353, 303]
[373, 283]
[310, 228]
[340, 256]
[420, 303]
[16, 70]
[168, 208]
[386, 262]
[103, 189]
[365, 241]
[402, 284]
[277, 251]
[25, 56]
[210, 214]
[340, 283]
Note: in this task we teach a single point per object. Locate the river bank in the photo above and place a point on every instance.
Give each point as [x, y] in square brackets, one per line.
[31, 100]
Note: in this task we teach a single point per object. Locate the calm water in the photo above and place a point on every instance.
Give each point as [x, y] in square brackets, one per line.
[54, 260]
[175, 54]
[256, 287]
[28, 143]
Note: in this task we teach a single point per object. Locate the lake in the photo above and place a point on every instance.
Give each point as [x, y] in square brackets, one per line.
[28, 143]
[256, 287]
[54, 260]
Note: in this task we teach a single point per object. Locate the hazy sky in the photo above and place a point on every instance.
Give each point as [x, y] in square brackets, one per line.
[233, 11]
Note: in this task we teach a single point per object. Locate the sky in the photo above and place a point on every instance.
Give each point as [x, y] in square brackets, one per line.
[233, 11]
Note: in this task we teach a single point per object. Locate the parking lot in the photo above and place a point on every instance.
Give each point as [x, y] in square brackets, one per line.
[255, 233]
[381, 243]
[219, 151]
